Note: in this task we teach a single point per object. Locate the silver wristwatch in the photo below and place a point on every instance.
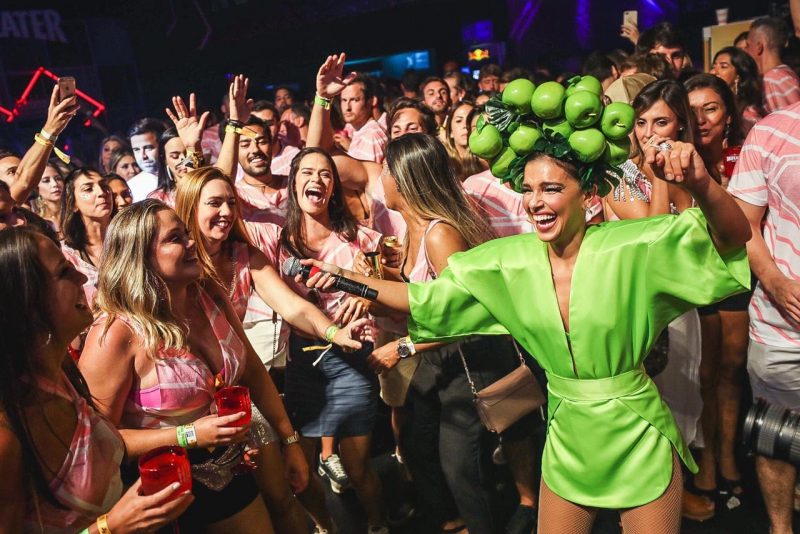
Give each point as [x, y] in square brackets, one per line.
[405, 347]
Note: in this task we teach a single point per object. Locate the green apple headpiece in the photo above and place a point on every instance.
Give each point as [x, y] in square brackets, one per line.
[570, 124]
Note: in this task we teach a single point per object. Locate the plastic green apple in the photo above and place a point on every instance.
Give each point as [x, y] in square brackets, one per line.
[617, 120]
[548, 100]
[588, 144]
[485, 143]
[618, 151]
[557, 126]
[586, 83]
[523, 139]
[583, 109]
[499, 165]
[518, 94]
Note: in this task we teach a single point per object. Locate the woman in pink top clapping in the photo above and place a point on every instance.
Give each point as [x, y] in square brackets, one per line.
[163, 345]
[59, 457]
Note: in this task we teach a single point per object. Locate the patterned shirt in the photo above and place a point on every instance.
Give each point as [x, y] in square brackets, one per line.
[502, 207]
[781, 88]
[369, 142]
[85, 268]
[768, 174]
[258, 206]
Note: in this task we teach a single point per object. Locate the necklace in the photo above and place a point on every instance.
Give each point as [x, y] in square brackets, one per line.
[232, 288]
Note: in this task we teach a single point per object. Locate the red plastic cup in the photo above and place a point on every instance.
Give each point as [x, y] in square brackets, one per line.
[164, 466]
[232, 400]
[730, 157]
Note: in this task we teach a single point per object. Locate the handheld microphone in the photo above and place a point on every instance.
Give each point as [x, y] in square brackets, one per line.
[292, 267]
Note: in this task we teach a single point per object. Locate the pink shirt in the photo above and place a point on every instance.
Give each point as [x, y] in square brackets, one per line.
[185, 383]
[282, 162]
[334, 251]
[768, 174]
[781, 88]
[502, 207]
[369, 142]
[257, 206]
[85, 268]
[167, 198]
[88, 483]
[750, 116]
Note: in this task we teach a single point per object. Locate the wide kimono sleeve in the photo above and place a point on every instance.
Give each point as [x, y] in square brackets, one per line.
[445, 310]
[685, 270]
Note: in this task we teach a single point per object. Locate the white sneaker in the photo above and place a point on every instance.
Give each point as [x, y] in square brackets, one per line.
[333, 469]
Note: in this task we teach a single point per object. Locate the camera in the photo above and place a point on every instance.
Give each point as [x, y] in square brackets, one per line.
[773, 431]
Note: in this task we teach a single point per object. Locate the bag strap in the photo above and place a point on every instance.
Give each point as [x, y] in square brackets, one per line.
[519, 352]
[469, 377]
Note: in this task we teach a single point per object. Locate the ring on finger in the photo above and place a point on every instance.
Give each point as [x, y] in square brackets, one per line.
[664, 146]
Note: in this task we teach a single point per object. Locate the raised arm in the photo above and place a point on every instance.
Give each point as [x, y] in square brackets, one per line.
[330, 82]
[239, 111]
[683, 166]
[188, 124]
[32, 165]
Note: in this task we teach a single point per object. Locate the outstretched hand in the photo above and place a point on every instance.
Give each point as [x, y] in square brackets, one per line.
[189, 126]
[239, 106]
[329, 77]
[676, 162]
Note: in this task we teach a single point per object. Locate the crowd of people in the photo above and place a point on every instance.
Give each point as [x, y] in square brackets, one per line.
[138, 285]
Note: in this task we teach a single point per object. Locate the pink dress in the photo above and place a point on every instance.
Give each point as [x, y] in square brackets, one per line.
[256, 206]
[85, 268]
[88, 483]
[186, 385]
[167, 197]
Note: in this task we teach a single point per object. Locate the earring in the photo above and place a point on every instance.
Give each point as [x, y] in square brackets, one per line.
[727, 132]
[49, 339]
[736, 86]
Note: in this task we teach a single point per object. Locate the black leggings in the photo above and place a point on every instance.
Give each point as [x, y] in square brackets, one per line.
[443, 438]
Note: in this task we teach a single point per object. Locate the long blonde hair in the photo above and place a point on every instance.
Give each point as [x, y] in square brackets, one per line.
[187, 198]
[421, 168]
[129, 287]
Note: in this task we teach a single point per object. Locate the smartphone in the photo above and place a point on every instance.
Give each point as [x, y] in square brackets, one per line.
[631, 17]
[66, 87]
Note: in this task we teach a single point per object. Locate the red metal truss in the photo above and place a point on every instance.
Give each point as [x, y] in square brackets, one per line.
[22, 101]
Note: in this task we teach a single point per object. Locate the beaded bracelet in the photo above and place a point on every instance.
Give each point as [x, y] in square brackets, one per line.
[330, 332]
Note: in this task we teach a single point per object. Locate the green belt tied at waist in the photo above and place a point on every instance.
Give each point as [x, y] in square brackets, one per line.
[594, 389]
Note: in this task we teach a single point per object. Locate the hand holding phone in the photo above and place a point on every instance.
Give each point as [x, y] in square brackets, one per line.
[630, 17]
[630, 26]
[66, 87]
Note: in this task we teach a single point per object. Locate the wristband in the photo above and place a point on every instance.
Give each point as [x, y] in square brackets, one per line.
[49, 144]
[330, 332]
[48, 136]
[191, 436]
[102, 524]
[235, 123]
[241, 130]
[321, 101]
[84, 531]
[181, 434]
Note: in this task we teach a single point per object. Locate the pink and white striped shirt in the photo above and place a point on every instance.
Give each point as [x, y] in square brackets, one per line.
[167, 197]
[282, 162]
[85, 268]
[768, 174]
[258, 206]
[502, 207]
[781, 88]
[185, 385]
[369, 142]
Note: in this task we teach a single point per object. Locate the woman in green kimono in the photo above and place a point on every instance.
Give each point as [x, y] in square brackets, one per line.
[588, 303]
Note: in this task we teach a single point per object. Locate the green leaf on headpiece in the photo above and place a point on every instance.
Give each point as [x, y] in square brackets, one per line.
[500, 114]
[574, 80]
[481, 123]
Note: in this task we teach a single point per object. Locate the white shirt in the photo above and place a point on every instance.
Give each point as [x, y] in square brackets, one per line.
[142, 185]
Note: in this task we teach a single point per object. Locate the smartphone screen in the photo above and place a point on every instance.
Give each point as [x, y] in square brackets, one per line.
[630, 17]
[66, 87]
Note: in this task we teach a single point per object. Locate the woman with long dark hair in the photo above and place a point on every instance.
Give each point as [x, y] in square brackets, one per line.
[738, 69]
[725, 325]
[86, 211]
[59, 458]
[48, 199]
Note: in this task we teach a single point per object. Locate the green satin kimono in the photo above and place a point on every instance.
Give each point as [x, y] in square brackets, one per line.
[610, 437]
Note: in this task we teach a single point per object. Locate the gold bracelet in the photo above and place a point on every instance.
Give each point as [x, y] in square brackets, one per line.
[49, 144]
[245, 131]
[102, 524]
[48, 136]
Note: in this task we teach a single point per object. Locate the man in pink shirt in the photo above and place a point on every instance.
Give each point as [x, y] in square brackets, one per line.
[282, 152]
[263, 194]
[765, 184]
[765, 41]
[369, 140]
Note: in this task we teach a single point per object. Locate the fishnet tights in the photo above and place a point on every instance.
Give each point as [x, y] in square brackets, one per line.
[661, 516]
